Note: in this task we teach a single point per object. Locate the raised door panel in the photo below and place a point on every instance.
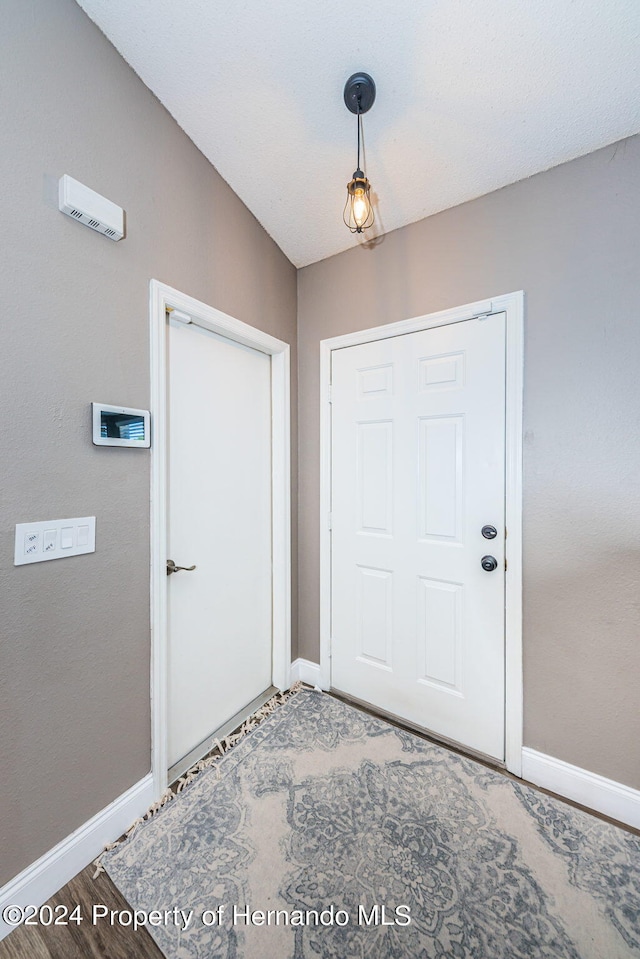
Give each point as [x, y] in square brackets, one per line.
[374, 470]
[440, 634]
[440, 485]
[374, 616]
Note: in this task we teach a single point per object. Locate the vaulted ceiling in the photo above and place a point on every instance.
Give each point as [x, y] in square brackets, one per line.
[471, 95]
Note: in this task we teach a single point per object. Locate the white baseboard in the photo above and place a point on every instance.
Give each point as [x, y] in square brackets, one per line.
[589, 789]
[38, 882]
[303, 670]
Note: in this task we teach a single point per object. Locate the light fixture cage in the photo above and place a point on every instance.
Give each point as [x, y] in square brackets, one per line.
[358, 213]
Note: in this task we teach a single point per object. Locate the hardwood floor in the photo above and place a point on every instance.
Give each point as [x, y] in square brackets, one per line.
[83, 940]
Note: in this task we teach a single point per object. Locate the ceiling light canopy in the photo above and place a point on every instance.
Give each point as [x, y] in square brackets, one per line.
[359, 97]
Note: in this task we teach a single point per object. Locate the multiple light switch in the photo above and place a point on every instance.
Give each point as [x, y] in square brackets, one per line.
[54, 539]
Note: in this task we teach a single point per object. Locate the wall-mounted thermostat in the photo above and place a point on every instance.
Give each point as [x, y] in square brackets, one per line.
[86, 206]
[121, 426]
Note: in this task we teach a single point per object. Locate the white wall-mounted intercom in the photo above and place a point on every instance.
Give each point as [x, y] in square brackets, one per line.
[121, 426]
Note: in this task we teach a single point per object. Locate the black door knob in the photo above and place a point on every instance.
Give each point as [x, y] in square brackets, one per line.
[489, 563]
[489, 532]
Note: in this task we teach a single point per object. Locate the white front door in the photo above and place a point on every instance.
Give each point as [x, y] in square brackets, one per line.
[219, 483]
[418, 469]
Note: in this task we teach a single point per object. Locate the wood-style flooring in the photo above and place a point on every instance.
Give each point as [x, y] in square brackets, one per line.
[83, 940]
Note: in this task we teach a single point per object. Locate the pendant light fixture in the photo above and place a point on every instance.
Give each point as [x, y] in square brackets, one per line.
[359, 96]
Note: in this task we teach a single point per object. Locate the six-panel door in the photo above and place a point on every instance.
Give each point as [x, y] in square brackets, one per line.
[418, 439]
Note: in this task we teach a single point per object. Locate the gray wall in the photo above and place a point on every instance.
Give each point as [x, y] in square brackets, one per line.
[570, 239]
[74, 671]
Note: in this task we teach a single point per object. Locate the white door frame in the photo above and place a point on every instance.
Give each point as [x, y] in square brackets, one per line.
[513, 305]
[163, 298]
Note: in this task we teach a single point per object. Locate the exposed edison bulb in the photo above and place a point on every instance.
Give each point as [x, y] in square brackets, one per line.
[360, 208]
[358, 212]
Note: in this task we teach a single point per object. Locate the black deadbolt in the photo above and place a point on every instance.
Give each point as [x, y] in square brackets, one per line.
[489, 532]
[489, 563]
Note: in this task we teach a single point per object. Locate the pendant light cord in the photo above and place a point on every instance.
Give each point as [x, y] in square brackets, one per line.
[359, 125]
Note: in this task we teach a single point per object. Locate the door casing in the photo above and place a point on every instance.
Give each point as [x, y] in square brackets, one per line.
[513, 305]
[163, 298]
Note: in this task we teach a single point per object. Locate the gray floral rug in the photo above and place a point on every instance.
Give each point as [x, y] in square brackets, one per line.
[326, 833]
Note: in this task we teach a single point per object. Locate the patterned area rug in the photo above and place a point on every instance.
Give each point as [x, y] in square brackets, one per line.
[326, 833]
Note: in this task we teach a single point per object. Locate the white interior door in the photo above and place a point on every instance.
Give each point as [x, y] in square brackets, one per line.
[219, 482]
[418, 469]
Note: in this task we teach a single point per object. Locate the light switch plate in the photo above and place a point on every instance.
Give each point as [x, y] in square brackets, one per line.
[54, 539]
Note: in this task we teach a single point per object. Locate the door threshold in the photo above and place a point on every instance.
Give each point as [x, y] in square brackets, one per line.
[207, 744]
[420, 730]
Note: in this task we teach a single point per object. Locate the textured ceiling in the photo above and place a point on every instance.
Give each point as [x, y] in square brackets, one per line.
[472, 95]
